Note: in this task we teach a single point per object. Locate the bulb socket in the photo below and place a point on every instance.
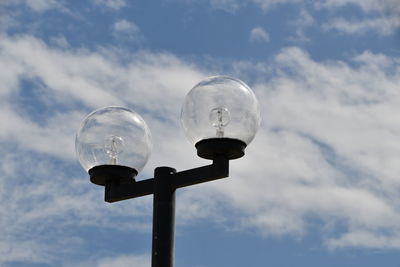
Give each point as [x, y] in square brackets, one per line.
[213, 147]
[106, 174]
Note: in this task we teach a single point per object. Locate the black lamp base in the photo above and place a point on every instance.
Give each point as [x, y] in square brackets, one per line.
[213, 147]
[103, 174]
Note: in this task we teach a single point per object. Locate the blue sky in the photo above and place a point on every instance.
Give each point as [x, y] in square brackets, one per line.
[319, 185]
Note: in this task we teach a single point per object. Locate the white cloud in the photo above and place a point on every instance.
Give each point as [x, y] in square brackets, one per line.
[125, 260]
[60, 41]
[258, 34]
[124, 25]
[381, 25]
[328, 147]
[66, 84]
[341, 118]
[301, 24]
[366, 5]
[10, 10]
[381, 17]
[43, 5]
[226, 5]
[113, 4]
[26, 251]
[365, 239]
[124, 28]
[35, 5]
[266, 4]
[233, 5]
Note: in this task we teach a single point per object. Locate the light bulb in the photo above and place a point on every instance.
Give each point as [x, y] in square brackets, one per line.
[219, 119]
[113, 146]
[113, 136]
[220, 107]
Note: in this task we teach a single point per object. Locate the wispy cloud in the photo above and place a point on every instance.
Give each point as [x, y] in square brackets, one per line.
[258, 34]
[329, 135]
[113, 4]
[368, 6]
[35, 5]
[10, 10]
[301, 24]
[381, 25]
[124, 28]
[234, 5]
[45, 138]
[125, 260]
[43, 5]
[381, 17]
[328, 146]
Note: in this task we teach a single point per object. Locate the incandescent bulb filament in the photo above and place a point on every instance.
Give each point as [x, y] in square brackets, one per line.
[114, 146]
[219, 118]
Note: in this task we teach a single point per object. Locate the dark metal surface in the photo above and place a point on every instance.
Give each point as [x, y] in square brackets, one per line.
[228, 147]
[219, 169]
[121, 191]
[163, 186]
[163, 218]
[103, 174]
[118, 192]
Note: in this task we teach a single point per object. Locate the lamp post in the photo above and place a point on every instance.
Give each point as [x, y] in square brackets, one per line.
[220, 116]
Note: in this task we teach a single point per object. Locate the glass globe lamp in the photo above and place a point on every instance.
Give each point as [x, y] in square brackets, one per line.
[113, 144]
[220, 115]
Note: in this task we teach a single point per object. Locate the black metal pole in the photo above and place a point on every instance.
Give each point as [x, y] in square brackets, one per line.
[163, 218]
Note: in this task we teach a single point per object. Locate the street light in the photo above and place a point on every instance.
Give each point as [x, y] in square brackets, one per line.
[220, 116]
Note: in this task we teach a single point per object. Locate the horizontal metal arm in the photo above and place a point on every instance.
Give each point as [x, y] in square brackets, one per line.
[219, 169]
[118, 192]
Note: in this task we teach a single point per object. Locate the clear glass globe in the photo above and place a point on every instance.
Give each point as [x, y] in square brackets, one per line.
[113, 136]
[219, 107]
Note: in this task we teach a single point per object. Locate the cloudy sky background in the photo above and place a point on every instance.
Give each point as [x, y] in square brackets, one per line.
[320, 183]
